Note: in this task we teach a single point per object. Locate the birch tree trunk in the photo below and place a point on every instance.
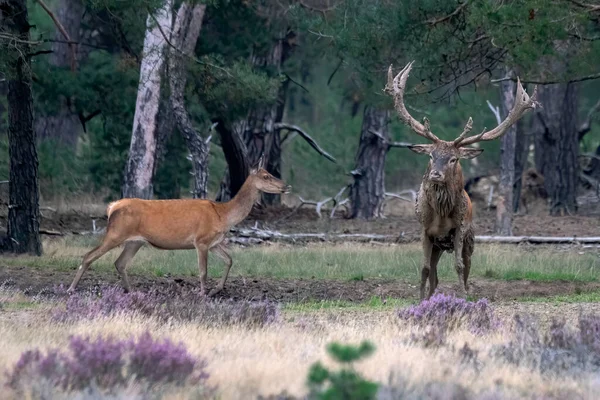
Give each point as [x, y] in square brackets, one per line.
[368, 190]
[504, 204]
[185, 35]
[23, 206]
[142, 151]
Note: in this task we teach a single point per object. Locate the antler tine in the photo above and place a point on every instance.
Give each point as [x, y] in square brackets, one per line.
[523, 103]
[465, 132]
[396, 87]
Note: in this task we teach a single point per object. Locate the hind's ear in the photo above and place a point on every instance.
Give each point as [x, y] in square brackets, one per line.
[261, 162]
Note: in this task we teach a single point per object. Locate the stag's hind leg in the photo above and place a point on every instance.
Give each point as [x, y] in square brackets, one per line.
[131, 248]
[459, 247]
[468, 248]
[436, 253]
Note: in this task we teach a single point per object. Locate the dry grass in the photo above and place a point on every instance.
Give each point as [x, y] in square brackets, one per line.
[245, 363]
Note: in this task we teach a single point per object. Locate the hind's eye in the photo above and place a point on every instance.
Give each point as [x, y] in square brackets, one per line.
[266, 177]
[453, 161]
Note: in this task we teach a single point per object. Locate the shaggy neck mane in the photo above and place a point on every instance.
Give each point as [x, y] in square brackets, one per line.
[444, 196]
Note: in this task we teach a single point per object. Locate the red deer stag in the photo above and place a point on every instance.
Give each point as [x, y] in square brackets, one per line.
[443, 207]
[179, 225]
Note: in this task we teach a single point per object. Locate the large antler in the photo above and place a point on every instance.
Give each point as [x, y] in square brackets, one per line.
[395, 87]
[523, 103]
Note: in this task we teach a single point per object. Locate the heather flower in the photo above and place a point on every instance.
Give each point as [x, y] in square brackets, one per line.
[183, 306]
[561, 348]
[110, 364]
[449, 312]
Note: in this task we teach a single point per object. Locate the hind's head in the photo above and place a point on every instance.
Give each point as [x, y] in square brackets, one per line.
[265, 182]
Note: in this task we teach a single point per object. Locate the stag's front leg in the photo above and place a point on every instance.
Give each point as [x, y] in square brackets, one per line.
[425, 271]
[458, 256]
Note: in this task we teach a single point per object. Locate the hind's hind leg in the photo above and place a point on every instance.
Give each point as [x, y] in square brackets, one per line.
[90, 257]
[131, 248]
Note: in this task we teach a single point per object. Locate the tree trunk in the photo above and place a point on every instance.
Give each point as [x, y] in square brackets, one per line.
[257, 128]
[504, 204]
[557, 146]
[185, 35]
[368, 190]
[274, 159]
[142, 151]
[63, 125]
[236, 156]
[23, 207]
[521, 151]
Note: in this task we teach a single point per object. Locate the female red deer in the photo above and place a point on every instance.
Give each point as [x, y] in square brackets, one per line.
[443, 207]
[179, 225]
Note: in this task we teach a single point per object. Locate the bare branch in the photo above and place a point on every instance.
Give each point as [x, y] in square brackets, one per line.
[305, 136]
[496, 111]
[63, 31]
[177, 49]
[385, 141]
[585, 155]
[398, 196]
[588, 6]
[586, 126]
[549, 82]
[434, 21]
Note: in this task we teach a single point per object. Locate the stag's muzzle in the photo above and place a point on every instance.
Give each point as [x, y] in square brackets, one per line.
[287, 189]
[436, 176]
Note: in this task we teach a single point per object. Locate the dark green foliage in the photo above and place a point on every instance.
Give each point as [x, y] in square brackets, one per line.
[345, 384]
[232, 90]
[172, 177]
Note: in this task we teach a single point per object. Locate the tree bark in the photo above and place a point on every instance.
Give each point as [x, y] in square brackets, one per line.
[63, 125]
[142, 151]
[185, 35]
[368, 190]
[504, 204]
[523, 139]
[23, 207]
[557, 145]
[257, 128]
[236, 156]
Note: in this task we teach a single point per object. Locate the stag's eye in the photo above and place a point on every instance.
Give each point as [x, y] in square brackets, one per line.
[452, 161]
[266, 177]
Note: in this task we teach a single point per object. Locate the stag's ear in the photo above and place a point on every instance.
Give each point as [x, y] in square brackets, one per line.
[469, 152]
[421, 148]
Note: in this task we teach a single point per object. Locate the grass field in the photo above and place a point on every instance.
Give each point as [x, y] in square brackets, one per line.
[246, 361]
[348, 261]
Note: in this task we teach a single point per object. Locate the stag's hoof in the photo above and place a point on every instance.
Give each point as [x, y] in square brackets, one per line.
[215, 291]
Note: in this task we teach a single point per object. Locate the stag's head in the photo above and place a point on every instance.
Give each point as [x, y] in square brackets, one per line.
[445, 155]
[265, 182]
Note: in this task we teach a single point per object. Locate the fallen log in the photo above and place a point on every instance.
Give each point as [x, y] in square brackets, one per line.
[538, 239]
[267, 235]
[253, 236]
